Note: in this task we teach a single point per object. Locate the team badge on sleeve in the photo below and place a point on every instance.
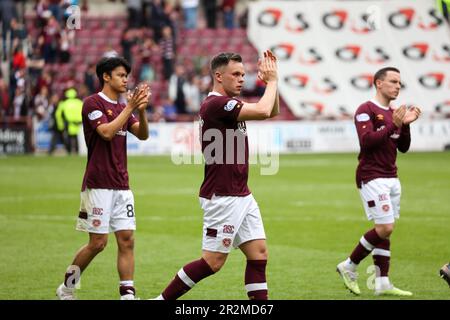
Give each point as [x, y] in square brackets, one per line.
[362, 117]
[95, 115]
[230, 105]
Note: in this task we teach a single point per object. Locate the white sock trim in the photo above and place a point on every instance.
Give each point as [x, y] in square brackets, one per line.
[366, 244]
[127, 283]
[185, 278]
[256, 286]
[381, 252]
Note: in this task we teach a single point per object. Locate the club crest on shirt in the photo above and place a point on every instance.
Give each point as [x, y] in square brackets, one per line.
[362, 117]
[96, 222]
[95, 115]
[385, 207]
[226, 242]
[230, 105]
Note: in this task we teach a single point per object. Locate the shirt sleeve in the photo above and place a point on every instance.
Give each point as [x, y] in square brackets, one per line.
[226, 108]
[94, 114]
[368, 136]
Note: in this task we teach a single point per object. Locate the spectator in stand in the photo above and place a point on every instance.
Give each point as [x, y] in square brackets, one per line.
[19, 102]
[228, 7]
[90, 79]
[64, 47]
[51, 35]
[167, 46]
[135, 18]
[55, 7]
[147, 73]
[42, 13]
[205, 81]
[251, 79]
[127, 42]
[41, 103]
[169, 110]
[7, 13]
[191, 91]
[210, 8]
[158, 19]
[35, 63]
[18, 60]
[176, 88]
[56, 125]
[45, 80]
[190, 8]
[4, 99]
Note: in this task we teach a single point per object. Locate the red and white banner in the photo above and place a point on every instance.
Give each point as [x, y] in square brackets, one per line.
[329, 50]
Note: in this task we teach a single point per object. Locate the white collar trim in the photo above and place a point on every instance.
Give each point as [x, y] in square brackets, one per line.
[375, 102]
[214, 93]
[104, 97]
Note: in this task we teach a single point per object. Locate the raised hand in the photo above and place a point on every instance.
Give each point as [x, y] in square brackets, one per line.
[138, 97]
[267, 67]
[146, 89]
[398, 115]
[412, 114]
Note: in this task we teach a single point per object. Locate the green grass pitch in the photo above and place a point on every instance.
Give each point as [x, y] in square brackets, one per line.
[311, 209]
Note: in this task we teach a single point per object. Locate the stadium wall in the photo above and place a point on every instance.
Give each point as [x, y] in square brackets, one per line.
[329, 50]
[277, 137]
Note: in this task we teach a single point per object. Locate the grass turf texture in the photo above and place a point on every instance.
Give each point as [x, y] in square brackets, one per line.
[312, 212]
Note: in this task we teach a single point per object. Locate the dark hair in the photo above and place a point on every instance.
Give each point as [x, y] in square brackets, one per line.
[223, 58]
[381, 74]
[107, 65]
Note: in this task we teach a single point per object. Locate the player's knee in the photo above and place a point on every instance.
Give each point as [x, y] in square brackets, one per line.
[385, 230]
[98, 245]
[126, 243]
[216, 263]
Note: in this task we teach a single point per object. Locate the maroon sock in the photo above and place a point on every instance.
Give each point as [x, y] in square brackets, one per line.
[186, 278]
[127, 290]
[255, 280]
[382, 257]
[366, 244]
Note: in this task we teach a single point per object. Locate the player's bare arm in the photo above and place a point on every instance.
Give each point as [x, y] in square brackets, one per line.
[140, 129]
[263, 109]
[108, 130]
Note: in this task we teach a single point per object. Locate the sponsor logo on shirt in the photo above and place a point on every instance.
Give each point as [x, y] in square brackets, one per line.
[121, 133]
[395, 136]
[228, 229]
[242, 127]
[230, 105]
[362, 117]
[95, 115]
[97, 211]
[383, 197]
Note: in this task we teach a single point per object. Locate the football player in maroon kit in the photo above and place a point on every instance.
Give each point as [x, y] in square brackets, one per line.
[107, 203]
[382, 130]
[231, 214]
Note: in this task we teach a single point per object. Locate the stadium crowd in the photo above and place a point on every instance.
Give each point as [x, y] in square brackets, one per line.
[38, 54]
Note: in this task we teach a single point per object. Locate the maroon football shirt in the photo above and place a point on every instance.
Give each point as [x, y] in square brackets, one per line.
[106, 160]
[224, 147]
[379, 139]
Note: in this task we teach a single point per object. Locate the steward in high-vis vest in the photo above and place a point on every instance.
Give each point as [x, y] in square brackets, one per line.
[71, 113]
